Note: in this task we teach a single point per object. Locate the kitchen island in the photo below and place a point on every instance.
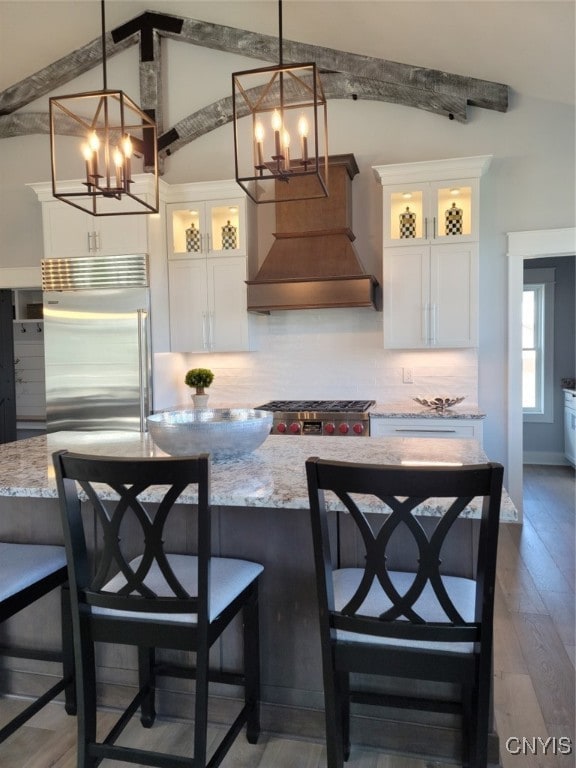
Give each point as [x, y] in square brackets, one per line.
[261, 513]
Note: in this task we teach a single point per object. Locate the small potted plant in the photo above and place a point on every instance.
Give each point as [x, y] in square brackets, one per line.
[200, 379]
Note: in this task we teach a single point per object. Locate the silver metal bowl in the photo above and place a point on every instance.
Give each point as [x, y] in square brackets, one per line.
[222, 432]
[440, 402]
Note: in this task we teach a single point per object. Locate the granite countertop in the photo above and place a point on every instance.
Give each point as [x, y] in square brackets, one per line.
[412, 410]
[273, 476]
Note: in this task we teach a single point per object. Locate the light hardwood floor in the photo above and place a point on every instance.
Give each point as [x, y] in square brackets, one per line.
[533, 660]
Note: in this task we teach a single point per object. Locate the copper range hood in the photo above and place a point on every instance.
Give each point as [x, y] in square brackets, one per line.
[312, 263]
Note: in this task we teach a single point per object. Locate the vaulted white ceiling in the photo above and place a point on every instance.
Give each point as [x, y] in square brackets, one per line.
[528, 45]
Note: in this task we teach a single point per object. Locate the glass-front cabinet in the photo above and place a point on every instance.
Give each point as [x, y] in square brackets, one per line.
[207, 227]
[431, 202]
[207, 267]
[438, 212]
[430, 239]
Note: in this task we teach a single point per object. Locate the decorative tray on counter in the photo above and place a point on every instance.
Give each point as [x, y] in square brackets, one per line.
[439, 403]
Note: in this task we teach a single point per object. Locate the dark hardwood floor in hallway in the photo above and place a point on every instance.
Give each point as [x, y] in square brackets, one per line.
[533, 661]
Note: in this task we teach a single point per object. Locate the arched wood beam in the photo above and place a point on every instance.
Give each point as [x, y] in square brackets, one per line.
[336, 86]
[349, 75]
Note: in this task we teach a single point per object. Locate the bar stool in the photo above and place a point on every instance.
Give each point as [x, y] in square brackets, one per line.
[420, 623]
[137, 593]
[27, 573]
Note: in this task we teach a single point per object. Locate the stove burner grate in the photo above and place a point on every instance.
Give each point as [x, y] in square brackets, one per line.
[325, 406]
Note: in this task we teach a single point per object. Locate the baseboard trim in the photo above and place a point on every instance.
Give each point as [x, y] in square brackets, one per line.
[548, 458]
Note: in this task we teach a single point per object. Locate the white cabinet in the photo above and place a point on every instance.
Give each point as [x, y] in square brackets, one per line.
[207, 268]
[208, 305]
[430, 296]
[570, 426]
[430, 252]
[428, 427]
[215, 227]
[70, 232]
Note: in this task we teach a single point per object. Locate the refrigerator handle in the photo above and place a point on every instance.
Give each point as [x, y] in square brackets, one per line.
[142, 367]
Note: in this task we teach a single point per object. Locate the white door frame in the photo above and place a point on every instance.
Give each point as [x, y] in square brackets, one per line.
[536, 244]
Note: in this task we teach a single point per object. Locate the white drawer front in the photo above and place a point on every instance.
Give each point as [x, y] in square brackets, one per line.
[436, 428]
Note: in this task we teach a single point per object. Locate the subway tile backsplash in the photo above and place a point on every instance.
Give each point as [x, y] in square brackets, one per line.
[328, 354]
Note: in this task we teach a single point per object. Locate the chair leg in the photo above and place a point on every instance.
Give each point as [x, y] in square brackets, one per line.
[85, 665]
[68, 652]
[332, 711]
[252, 668]
[146, 663]
[343, 688]
[201, 706]
[479, 726]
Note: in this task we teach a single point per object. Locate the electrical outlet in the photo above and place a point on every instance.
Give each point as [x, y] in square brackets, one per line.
[407, 377]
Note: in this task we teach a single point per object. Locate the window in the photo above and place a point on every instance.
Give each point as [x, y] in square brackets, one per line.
[538, 345]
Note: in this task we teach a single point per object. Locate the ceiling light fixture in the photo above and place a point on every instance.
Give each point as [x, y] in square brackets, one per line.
[118, 140]
[286, 138]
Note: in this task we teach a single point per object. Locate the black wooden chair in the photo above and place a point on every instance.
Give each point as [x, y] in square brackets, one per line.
[28, 572]
[416, 623]
[152, 599]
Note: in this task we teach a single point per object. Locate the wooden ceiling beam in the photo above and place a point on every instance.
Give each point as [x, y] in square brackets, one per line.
[344, 75]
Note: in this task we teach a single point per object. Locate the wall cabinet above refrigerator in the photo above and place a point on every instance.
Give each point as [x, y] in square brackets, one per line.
[70, 232]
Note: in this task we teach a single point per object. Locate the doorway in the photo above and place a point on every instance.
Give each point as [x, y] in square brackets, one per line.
[541, 244]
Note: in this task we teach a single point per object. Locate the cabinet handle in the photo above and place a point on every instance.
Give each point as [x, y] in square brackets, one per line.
[424, 429]
[94, 242]
[434, 228]
[211, 329]
[204, 331]
[143, 367]
[208, 248]
[426, 228]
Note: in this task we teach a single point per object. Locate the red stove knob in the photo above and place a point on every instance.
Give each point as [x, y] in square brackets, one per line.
[329, 428]
[281, 427]
[295, 428]
[344, 429]
[358, 428]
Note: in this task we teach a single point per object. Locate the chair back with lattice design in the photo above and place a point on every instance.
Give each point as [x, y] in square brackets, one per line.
[130, 569]
[418, 601]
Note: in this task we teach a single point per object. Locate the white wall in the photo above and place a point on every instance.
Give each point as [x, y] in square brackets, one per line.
[530, 184]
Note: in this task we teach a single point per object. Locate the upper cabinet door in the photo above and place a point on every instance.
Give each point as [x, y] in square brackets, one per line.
[207, 228]
[435, 212]
[453, 313]
[435, 201]
[69, 232]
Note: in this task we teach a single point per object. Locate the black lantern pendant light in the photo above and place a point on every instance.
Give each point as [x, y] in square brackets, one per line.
[118, 140]
[281, 153]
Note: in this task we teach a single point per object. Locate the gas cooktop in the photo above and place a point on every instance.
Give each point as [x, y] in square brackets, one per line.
[319, 417]
[317, 406]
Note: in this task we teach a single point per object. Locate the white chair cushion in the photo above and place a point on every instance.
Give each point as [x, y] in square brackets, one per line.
[21, 565]
[462, 592]
[228, 578]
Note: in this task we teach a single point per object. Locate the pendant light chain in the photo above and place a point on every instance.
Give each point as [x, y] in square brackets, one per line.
[104, 73]
[280, 41]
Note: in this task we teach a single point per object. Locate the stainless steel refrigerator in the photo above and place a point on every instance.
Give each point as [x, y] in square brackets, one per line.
[97, 343]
